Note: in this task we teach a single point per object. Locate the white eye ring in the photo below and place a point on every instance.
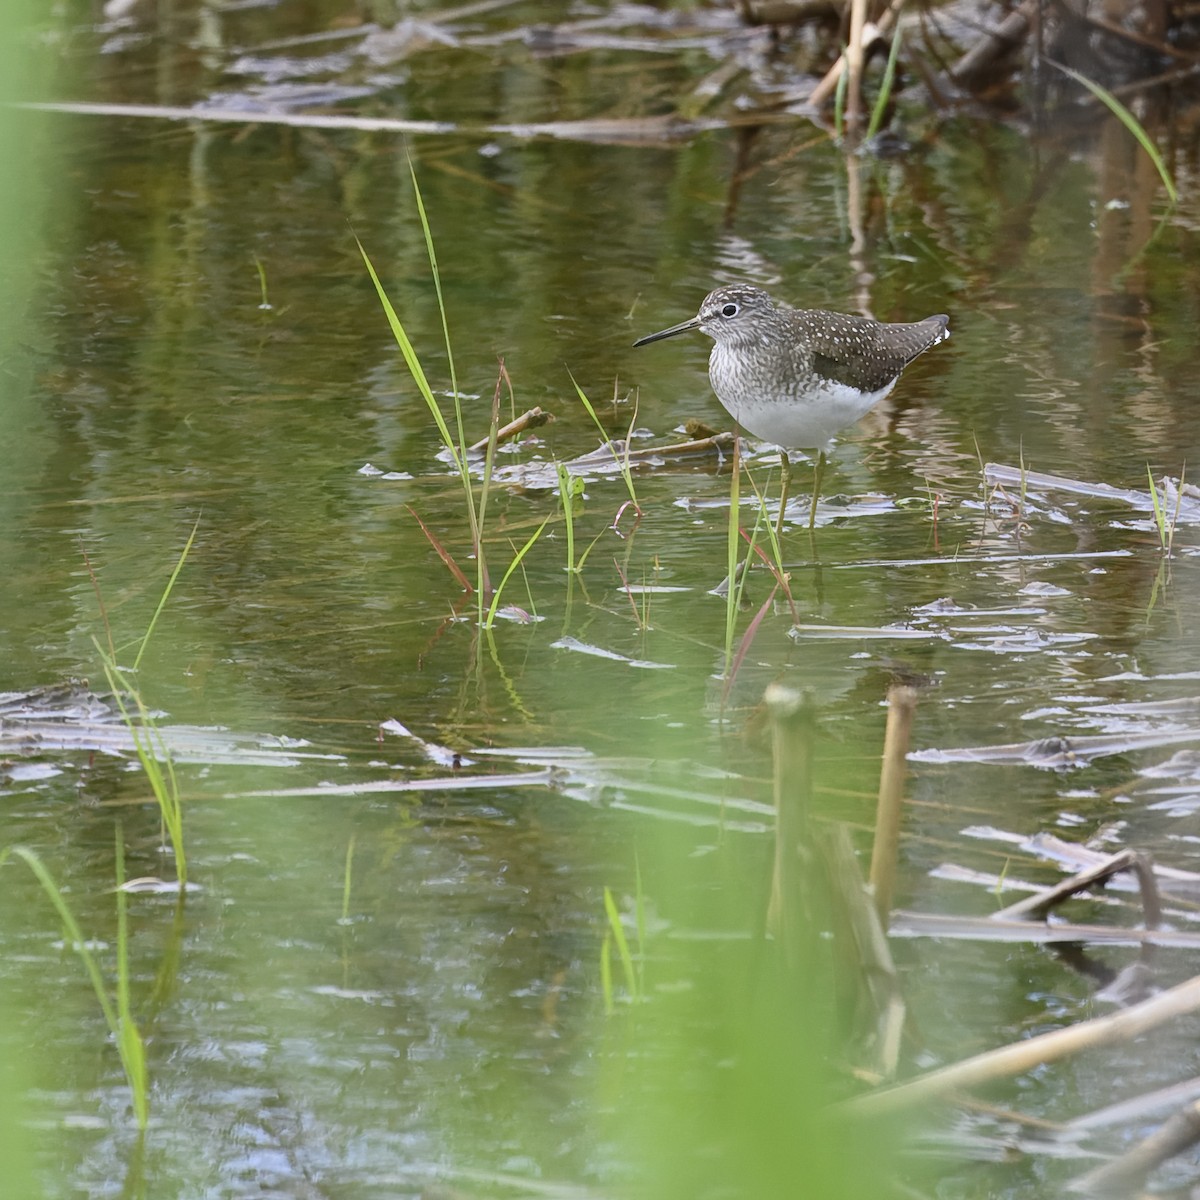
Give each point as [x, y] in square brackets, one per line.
[730, 310]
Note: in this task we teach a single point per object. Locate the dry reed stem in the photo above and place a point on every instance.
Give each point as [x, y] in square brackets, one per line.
[855, 58]
[829, 83]
[902, 705]
[874, 967]
[1039, 905]
[533, 418]
[1013, 1059]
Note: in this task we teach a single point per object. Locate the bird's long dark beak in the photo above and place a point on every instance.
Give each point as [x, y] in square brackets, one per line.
[682, 327]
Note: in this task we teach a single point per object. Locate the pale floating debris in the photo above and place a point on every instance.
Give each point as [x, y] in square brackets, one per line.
[339, 993]
[651, 589]
[28, 772]
[1182, 765]
[571, 643]
[531, 754]
[518, 615]
[149, 885]
[953, 873]
[947, 607]
[988, 929]
[1027, 641]
[1183, 805]
[1039, 587]
[442, 755]
[253, 116]
[1179, 706]
[1055, 753]
[867, 632]
[1186, 500]
[454, 783]
[67, 717]
[378, 472]
[992, 833]
[976, 560]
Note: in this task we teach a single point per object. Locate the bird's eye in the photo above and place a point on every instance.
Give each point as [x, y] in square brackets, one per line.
[729, 310]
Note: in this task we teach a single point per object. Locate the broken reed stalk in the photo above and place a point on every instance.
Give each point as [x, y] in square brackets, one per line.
[902, 705]
[793, 723]
[534, 418]
[1038, 906]
[855, 60]
[829, 83]
[1006, 1061]
[866, 960]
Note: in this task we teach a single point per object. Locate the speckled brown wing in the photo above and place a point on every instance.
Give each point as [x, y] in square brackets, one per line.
[864, 354]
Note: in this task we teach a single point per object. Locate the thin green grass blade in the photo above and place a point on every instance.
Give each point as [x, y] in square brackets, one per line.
[512, 566]
[1160, 517]
[265, 303]
[119, 1020]
[74, 934]
[885, 88]
[731, 554]
[1178, 506]
[1130, 122]
[640, 916]
[591, 546]
[437, 283]
[621, 943]
[623, 463]
[155, 759]
[129, 1043]
[606, 979]
[166, 595]
[412, 362]
[566, 492]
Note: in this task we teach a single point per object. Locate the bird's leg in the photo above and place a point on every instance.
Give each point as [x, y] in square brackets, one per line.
[785, 468]
[817, 473]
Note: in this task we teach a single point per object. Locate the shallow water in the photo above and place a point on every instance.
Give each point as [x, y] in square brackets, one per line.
[443, 1017]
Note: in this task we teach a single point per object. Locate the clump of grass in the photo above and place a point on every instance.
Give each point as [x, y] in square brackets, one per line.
[155, 757]
[454, 441]
[456, 444]
[119, 1016]
[622, 461]
[1164, 524]
[151, 748]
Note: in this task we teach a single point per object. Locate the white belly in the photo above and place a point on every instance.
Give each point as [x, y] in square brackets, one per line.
[808, 421]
